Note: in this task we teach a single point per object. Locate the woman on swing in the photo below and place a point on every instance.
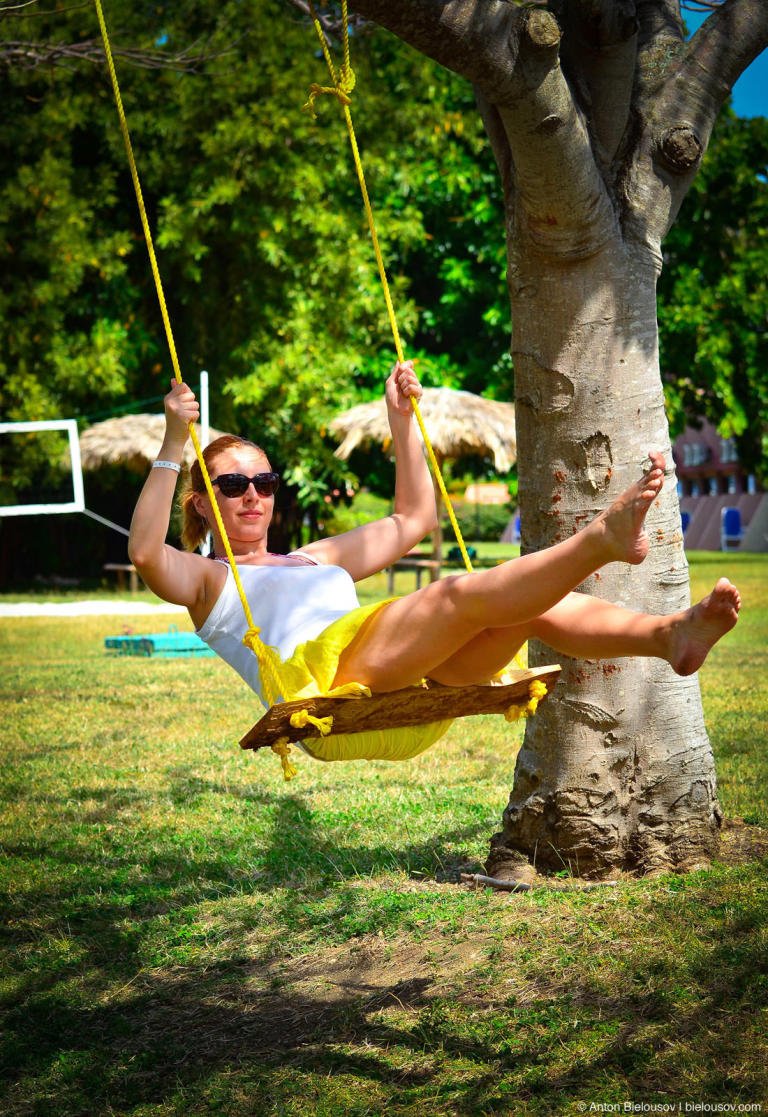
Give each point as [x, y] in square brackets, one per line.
[458, 631]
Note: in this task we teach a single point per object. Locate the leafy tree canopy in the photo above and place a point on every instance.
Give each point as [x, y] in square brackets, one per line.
[260, 232]
[262, 242]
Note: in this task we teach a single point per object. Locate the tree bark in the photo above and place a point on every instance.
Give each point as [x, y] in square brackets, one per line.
[617, 772]
[598, 120]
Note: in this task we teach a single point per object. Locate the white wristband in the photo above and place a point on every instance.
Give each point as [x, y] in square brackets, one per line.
[167, 465]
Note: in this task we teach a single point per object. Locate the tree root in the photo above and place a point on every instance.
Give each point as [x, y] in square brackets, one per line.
[479, 881]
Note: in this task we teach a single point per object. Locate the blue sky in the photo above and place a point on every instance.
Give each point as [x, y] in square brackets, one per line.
[750, 93]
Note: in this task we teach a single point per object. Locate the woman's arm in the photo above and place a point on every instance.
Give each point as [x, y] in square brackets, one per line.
[176, 576]
[372, 547]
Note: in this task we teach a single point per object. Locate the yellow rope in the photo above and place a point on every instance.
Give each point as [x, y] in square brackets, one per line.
[536, 691]
[283, 750]
[343, 82]
[268, 659]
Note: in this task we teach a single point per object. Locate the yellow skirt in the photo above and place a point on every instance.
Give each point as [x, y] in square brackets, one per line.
[310, 672]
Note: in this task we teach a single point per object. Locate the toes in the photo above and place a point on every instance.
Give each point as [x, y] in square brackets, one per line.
[653, 479]
[727, 592]
[652, 486]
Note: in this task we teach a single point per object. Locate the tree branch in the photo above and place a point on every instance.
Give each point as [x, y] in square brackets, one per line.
[563, 206]
[511, 57]
[28, 55]
[15, 7]
[25, 54]
[10, 10]
[599, 56]
[681, 88]
[725, 44]
[682, 98]
[659, 23]
[474, 38]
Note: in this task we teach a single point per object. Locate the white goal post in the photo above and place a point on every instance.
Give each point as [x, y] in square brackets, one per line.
[77, 504]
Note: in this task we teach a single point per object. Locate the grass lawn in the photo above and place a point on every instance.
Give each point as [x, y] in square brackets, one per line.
[184, 933]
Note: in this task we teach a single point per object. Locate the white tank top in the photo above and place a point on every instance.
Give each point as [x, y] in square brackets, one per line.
[290, 604]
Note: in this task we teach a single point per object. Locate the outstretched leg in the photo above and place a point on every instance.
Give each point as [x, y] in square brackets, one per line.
[411, 637]
[587, 627]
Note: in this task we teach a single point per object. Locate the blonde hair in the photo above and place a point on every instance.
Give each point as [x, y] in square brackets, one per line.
[194, 527]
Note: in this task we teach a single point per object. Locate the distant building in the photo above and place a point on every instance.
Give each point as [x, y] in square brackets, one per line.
[710, 480]
[708, 465]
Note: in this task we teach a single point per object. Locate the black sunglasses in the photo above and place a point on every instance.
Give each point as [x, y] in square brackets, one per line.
[236, 484]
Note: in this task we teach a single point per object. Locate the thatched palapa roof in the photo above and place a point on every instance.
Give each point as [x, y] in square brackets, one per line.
[458, 424]
[130, 440]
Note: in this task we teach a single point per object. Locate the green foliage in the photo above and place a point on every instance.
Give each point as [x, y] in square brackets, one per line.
[365, 507]
[264, 250]
[713, 293]
[481, 522]
[459, 266]
[262, 244]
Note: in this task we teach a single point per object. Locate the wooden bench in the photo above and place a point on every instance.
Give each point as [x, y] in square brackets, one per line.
[120, 569]
[420, 563]
[417, 565]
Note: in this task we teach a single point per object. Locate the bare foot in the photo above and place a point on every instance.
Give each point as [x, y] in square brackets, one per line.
[623, 524]
[696, 630]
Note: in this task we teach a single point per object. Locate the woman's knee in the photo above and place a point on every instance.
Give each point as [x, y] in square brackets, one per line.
[453, 585]
[459, 597]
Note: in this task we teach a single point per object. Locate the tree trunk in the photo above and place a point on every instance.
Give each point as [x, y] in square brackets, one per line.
[616, 771]
[598, 112]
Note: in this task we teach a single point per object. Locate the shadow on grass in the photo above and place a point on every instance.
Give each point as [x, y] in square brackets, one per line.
[98, 1028]
[103, 881]
[170, 1036]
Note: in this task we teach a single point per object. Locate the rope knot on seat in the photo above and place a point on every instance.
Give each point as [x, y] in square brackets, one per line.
[536, 691]
[303, 718]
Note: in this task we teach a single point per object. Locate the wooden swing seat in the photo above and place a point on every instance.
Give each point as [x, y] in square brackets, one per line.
[417, 705]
